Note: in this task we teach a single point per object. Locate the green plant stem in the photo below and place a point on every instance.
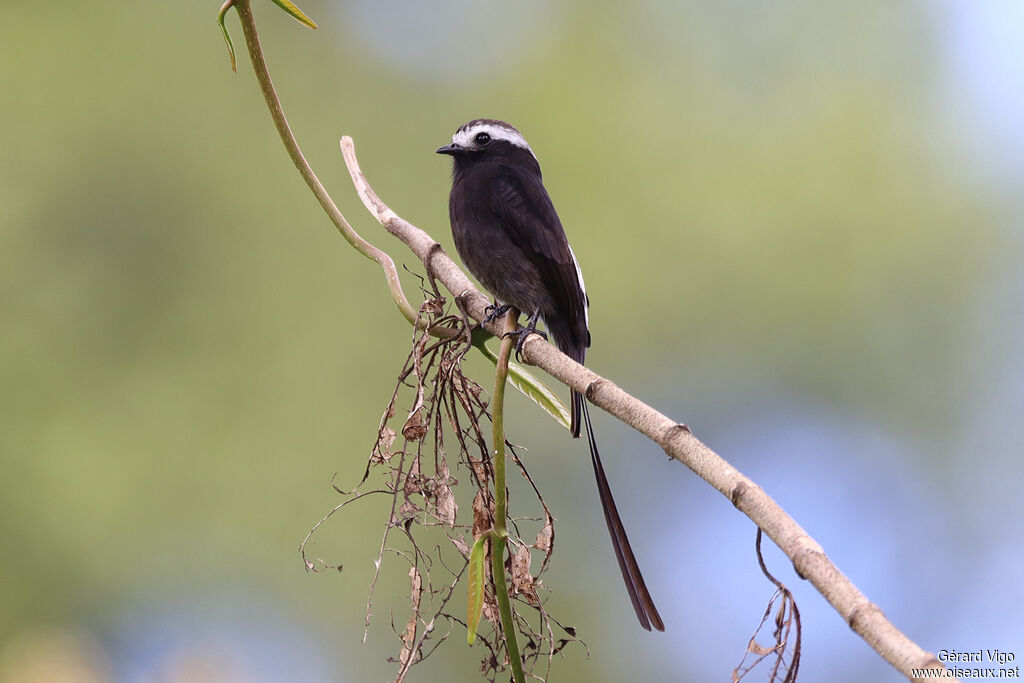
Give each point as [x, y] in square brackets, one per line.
[498, 544]
[259, 65]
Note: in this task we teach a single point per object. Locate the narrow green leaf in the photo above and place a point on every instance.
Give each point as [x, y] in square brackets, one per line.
[227, 37]
[535, 390]
[529, 386]
[475, 591]
[289, 7]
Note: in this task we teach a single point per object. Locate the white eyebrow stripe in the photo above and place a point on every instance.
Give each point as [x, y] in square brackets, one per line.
[464, 137]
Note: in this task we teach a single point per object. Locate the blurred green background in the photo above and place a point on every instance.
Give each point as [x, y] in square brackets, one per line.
[800, 225]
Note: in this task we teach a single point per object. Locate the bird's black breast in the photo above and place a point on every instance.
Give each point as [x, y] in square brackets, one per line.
[491, 243]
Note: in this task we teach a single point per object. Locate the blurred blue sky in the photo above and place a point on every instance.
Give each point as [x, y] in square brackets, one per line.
[985, 82]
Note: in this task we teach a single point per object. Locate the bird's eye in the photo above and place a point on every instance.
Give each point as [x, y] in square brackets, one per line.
[482, 139]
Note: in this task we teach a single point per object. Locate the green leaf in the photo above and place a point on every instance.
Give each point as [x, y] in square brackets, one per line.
[475, 591]
[528, 385]
[535, 390]
[289, 7]
[227, 38]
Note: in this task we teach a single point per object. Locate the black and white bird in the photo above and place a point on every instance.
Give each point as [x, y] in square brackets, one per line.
[508, 234]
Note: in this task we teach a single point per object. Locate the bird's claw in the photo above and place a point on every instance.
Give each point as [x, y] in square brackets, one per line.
[522, 333]
[493, 312]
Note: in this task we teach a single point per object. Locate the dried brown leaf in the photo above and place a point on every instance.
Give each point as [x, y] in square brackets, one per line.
[417, 586]
[409, 637]
[460, 544]
[491, 612]
[442, 464]
[382, 449]
[447, 508]
[481, 516]
[413, 481]
[545, 535]
[407, 512]
[414, 429]
[522, 580]
[756, 648]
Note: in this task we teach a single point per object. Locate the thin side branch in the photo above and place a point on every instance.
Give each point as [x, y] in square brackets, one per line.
[259, 64]
[808, 557]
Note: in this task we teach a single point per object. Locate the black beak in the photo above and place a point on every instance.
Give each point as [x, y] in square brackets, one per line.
[449, 149]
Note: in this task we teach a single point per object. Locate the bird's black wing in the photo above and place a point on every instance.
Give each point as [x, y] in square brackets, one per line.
[523, 207]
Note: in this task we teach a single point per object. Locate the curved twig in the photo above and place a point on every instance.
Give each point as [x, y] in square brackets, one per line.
[259, 64]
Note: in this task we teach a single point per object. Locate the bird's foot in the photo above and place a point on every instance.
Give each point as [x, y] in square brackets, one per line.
[522, 333]
[493, 312]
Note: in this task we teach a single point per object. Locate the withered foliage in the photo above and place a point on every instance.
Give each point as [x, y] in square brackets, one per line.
[783, 654]
[437, 422]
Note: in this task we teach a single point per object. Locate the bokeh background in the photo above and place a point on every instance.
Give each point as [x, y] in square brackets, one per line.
[801, 226]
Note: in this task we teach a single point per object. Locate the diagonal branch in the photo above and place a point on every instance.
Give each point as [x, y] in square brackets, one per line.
[808, 557]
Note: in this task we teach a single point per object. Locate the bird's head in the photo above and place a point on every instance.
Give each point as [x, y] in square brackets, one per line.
[486, 138]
